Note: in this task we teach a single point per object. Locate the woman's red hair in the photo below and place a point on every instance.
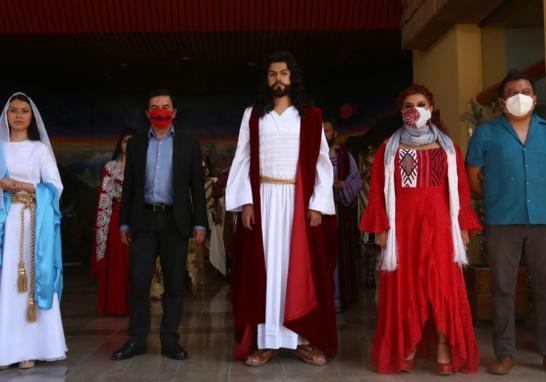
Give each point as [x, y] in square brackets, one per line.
[425, 92]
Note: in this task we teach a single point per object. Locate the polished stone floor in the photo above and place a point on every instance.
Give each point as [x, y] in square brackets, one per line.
[206, 334]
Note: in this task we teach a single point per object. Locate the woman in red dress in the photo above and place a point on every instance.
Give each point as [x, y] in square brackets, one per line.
[419, 210]
[110, 261]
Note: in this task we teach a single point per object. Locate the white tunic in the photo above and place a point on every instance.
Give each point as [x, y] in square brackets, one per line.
[279, 151]
[32, 162]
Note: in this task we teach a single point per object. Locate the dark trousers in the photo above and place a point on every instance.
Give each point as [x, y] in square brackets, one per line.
[505, 244]
[159, 238]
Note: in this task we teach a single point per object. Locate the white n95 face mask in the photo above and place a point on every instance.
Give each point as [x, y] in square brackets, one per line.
[519, 104]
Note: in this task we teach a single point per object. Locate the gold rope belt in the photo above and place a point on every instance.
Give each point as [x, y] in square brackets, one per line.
[271, 180]
[28, 202]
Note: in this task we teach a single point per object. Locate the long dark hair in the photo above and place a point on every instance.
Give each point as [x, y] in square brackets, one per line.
[33, 133]
[300, 100]
[123, 134]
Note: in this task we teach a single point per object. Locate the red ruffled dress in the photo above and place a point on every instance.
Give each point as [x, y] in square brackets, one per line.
[427, 292]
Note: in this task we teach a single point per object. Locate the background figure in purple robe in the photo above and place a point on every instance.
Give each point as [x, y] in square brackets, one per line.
[347, 185]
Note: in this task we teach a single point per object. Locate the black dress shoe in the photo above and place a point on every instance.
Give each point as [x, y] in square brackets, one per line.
[174, 351]
[129, 350]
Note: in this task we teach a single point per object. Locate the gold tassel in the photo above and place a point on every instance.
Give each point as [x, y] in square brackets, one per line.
[27, 200]
[22, 279]
[31, 310]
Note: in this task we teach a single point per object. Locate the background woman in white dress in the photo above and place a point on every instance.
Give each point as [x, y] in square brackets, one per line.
[30, 257]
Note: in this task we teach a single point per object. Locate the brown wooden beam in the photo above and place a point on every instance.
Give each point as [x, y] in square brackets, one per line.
[489, 95]
[424, 21]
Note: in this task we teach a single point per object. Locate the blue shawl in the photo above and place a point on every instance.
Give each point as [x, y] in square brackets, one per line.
[49, 265]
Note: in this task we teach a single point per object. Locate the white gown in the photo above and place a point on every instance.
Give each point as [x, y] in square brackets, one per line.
[20, 340]
[279, 151]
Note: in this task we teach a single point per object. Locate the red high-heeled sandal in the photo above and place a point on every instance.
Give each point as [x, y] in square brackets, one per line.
[445, 368]
[408, 365]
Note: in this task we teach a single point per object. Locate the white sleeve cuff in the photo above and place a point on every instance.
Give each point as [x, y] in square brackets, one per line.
[325, 206]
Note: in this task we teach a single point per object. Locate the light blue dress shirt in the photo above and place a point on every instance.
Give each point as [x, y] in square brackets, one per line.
[158, 187]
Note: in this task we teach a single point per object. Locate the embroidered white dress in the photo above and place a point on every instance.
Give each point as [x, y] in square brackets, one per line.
[279, 150]
[27, 161]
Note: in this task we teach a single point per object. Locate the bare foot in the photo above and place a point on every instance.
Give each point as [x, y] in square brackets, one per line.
[26, 364]
[410, 356]
[444, 355]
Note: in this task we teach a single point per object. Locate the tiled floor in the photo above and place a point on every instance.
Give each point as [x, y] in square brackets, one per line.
[206, 334]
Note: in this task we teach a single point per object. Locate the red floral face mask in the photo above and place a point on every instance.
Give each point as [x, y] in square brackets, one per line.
[416, 117]
[161, 118]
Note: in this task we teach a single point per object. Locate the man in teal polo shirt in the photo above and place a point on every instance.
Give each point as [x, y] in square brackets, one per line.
[510, 155]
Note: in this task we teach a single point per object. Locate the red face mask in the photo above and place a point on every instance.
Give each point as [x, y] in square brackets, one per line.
[161, 118]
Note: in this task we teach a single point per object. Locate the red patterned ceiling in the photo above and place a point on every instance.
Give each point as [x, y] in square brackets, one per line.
[198, 30]
[142, 16]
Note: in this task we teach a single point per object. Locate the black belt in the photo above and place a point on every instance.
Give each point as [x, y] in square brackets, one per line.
[158, 207]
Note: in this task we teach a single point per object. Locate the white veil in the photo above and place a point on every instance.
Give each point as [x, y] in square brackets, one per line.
[4, 127]
[4, 136]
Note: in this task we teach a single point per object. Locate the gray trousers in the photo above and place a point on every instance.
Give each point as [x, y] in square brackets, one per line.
[505, 245]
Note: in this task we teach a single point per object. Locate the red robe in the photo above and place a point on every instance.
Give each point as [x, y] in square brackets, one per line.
[309, 306]
[112, 270]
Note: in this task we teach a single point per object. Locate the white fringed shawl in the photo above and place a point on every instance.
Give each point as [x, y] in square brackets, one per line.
[389, 257]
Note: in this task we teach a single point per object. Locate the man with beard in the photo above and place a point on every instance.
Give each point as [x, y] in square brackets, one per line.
[284, 254]
[347, 185]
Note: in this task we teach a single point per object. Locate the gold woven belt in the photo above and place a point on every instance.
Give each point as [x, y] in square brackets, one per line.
[28, 202]
[271, 180]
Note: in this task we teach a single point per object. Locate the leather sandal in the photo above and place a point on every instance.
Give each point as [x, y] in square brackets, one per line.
[26, 364]
[260, 357]
[310, 354]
